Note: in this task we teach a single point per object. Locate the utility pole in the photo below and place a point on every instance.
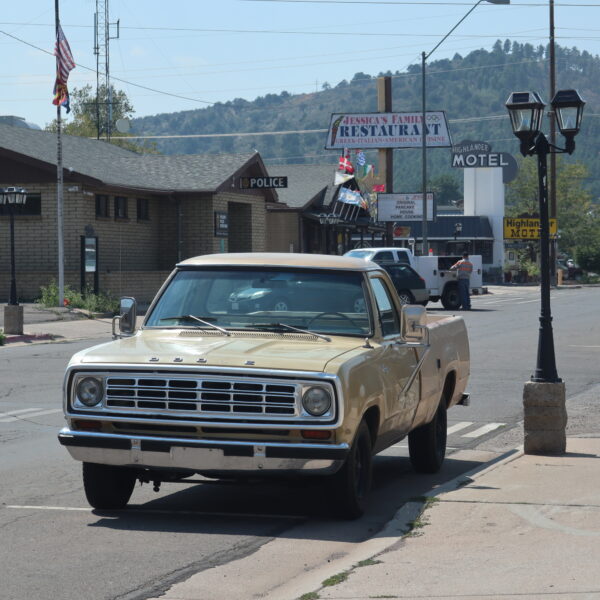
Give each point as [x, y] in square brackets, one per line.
[102, 39]
[386, 155]
[552, 178]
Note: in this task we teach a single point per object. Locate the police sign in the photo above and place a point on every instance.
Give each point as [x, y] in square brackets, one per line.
[263, 183]
[525, 228]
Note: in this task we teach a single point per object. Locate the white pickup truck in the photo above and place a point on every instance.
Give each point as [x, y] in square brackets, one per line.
[264, 365]
[435, 270]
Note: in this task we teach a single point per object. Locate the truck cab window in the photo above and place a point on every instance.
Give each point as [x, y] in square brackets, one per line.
[390, 323]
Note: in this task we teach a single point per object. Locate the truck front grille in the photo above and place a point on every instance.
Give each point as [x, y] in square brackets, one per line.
[202, 396]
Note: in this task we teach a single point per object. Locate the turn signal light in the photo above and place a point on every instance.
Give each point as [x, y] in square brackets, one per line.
[310, 434]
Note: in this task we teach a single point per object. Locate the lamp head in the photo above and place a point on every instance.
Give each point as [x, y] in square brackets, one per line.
[13, 195]
[568, 108]
[526, 110]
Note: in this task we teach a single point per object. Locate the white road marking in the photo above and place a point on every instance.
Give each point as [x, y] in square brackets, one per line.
[483, 430]
[31, 414]
[574, 346]
[16, 412]
[458, 427]
[135, 511]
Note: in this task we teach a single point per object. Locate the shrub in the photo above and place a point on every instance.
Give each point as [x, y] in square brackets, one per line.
[2, 337]
[588, 257]
[88, 301]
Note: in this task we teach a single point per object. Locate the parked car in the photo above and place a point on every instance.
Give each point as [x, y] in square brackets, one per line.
[408, 283]
[316, 391]
[380, 255]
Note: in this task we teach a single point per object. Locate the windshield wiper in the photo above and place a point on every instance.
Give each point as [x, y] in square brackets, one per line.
[194, 318]
[290, 328]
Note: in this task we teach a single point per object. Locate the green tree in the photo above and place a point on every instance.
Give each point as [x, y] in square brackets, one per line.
[446, 188]
[578, 223]
[86, 113]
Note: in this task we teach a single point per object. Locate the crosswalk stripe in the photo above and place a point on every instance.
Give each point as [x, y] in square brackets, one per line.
[16, 412]
[458, 427]
[31, 414]
[482, 430]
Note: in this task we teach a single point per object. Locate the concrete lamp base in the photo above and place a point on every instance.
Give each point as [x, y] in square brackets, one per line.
[13, 319]
[545, 418]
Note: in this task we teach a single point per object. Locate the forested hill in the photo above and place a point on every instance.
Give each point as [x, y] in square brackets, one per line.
[471, 89]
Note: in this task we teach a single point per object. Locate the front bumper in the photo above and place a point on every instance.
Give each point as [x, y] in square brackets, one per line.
[203, 456]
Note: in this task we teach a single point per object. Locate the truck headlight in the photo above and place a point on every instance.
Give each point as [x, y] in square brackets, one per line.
[89, 391]
[316, 401]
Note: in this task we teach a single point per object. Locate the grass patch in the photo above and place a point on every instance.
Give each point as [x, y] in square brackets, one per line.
[102, 303]
[368, 563]
[335, 579]
[309, 596]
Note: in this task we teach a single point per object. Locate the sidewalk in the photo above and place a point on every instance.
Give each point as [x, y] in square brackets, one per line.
[527, 527]
[57, 324]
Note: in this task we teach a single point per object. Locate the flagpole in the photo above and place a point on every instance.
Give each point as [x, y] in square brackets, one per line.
[59, 188]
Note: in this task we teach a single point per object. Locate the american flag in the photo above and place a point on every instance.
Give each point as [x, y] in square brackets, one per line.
[64, 58]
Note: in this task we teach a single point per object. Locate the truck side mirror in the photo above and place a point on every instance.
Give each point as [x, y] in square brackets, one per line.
[127, 315]
[414, 319]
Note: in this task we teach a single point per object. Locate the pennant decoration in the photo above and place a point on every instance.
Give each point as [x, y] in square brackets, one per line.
[64, 65]
[340, 178]
[361, 159]
[379, 187]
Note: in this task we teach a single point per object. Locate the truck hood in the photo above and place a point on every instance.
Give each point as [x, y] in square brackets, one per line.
[165, 348]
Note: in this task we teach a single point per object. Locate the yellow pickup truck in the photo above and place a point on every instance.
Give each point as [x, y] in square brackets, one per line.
[264, 365]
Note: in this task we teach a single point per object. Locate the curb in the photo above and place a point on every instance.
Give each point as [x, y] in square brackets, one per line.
[28, 338]
[395, 529]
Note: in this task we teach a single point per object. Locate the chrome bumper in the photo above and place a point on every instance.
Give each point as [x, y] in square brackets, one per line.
[203, 455]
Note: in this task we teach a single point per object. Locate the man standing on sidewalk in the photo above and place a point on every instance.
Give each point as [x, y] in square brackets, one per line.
[464, 268]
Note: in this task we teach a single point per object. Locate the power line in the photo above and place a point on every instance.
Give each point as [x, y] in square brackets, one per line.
[143, 87]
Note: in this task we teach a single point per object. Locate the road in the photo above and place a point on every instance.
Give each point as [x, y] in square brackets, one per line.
[53, 545]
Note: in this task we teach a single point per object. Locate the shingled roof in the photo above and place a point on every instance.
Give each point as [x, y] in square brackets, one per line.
[305, 184]
[115, 166]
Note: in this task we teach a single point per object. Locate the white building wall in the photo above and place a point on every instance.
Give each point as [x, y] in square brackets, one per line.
[484, 196]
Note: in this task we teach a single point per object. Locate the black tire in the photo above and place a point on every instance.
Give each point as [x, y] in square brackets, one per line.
[427, 444]
[406, 297]
[352, 483]
[106, 486]
[451, 297]
[424, 303]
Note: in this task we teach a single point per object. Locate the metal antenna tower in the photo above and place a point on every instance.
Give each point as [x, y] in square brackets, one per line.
[102, 39]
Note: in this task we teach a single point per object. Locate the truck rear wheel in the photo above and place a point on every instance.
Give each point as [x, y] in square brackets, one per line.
[451, 297]
[427, 444]
[352, 482]
[106, 486]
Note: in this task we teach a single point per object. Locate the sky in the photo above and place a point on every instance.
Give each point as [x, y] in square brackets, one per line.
[182, 55]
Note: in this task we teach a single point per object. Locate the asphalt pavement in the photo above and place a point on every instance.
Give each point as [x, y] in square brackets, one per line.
[523, 526]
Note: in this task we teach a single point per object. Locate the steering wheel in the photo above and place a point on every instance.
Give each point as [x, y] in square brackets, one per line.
[335, 314]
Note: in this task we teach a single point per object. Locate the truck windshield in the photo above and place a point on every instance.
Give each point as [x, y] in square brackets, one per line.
[331, 302]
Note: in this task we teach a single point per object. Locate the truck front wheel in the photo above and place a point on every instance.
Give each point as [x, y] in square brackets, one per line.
[106, 486]
[352, 482]
[427, 444]
[451, 298]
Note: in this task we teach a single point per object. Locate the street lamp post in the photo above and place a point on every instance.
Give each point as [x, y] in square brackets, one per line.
[457, 229]
[424, 57]
[545, 392]
[13, 313]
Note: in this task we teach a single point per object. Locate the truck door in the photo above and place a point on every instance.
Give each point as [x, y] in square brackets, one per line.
[396, 362]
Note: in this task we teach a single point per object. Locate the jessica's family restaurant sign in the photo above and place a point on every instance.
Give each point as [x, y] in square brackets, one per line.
[387, 130]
